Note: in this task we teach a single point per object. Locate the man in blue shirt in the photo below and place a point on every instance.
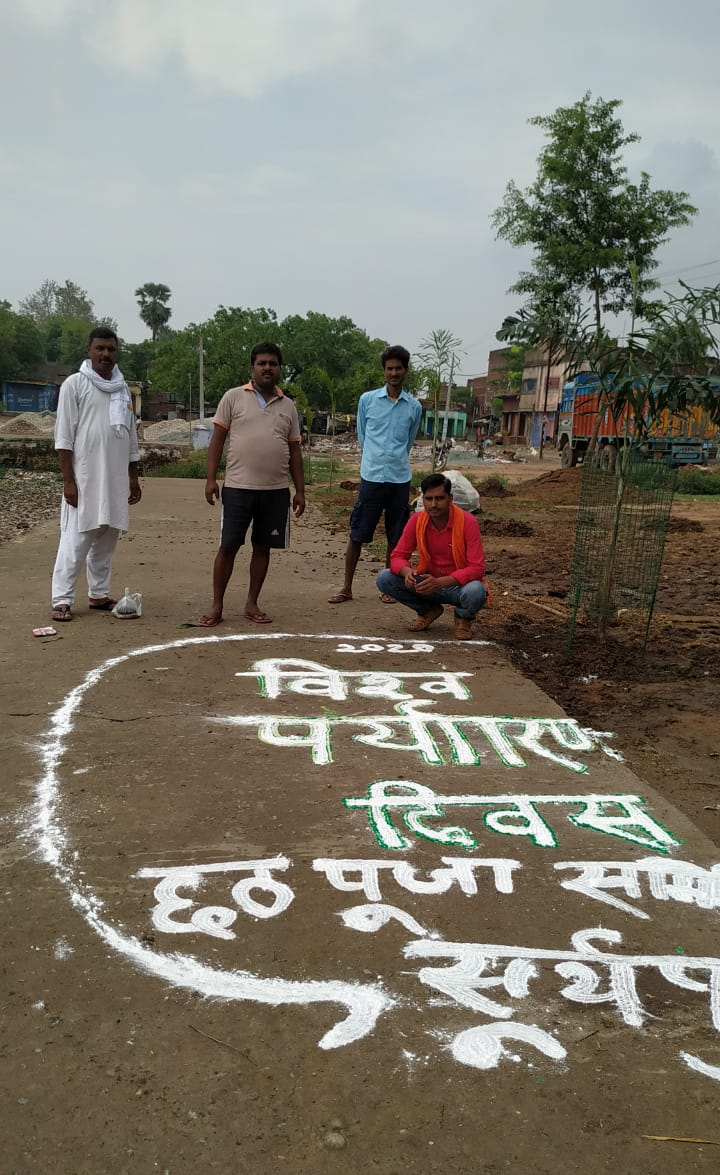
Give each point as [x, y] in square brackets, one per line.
[388, 420]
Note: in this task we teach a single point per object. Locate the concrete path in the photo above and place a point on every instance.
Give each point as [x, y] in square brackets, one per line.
[318, 895]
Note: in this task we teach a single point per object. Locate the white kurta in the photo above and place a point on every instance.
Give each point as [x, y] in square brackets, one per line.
[100, 457]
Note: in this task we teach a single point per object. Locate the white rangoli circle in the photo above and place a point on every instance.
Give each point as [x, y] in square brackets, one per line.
[481, 1047]
[365, 1002]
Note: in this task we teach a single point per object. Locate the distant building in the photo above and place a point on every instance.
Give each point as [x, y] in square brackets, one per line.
[540, 394]
[456, 422]
[163, 406]
[28, 395]
[531, 407]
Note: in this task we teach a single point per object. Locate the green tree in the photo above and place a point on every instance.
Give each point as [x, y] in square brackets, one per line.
[228, 338]
[73, 339]
[316, 349]
[336, 346]
[135, 359]
[586, 223]
[317, 387]
[671, 364]
[53, 300]
[153, 300]
[515, 365]
[21, 344]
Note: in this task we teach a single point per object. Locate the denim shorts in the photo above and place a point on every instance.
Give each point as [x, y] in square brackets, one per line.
[374, 499]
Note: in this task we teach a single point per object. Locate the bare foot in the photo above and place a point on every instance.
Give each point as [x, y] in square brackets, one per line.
[212, 617]
[257, 616]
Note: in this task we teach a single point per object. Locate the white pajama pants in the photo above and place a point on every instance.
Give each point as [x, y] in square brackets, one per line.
[95, 548]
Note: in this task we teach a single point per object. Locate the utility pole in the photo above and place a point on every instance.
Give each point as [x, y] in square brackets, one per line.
[201, 392]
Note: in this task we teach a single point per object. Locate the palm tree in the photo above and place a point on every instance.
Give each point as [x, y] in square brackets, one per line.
[153, 300]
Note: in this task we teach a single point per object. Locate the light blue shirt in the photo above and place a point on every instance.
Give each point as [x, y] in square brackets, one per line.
[386, 430]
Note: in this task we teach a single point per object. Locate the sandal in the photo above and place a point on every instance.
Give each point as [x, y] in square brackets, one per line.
[340, 597]
[62, 613]
[426, 619]
[103, 606]
[463, 628]
[386, 599]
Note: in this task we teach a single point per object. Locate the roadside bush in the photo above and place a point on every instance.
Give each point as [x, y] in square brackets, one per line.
[37, 455]
[694, 481]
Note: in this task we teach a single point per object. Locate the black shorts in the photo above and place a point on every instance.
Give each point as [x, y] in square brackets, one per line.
[374, 498]
[268, 510]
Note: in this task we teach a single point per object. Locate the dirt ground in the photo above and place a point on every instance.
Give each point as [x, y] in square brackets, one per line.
[663, 706]
[164, 1012]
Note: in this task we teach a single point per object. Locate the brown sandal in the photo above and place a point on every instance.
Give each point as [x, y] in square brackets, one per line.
[340, 597]
[463, 628]
[427, 619]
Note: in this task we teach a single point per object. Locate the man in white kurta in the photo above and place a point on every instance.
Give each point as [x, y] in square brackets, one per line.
[96, 443]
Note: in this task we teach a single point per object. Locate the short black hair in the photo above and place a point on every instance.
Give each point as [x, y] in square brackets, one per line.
[266, 349]
[101, 332]
[400, 353]
[434, 481]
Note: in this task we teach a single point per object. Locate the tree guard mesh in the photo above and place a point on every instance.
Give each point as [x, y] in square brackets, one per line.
[619, 541]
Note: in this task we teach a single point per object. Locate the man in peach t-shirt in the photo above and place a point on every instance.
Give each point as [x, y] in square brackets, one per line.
[262, 428]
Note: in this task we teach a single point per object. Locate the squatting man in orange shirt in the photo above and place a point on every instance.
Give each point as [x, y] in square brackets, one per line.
[451, 561]
[262, 427]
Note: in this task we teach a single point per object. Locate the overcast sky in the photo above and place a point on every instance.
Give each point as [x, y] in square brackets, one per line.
[342, 156]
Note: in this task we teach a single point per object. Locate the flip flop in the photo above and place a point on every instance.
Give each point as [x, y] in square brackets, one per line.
[258, 617]
[206, 622]
[385, 599]
[106, 606]
[62, 613]
[340, 597]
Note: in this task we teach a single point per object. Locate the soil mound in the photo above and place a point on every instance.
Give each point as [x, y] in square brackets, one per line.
[508, 527]
[561, 487]
[684, 526]
[493, 487]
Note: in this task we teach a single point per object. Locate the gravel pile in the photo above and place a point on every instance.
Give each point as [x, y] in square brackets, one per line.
[167, 430]
[25, 500]
[28, 424]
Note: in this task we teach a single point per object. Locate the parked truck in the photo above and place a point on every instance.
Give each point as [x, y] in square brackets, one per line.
[675, 438]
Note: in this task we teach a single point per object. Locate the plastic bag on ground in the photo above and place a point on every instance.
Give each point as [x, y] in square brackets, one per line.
[129, 607]
[463, 491]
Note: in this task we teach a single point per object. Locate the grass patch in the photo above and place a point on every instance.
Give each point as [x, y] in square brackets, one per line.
[194, 465]
[318, 470]
[321, 470]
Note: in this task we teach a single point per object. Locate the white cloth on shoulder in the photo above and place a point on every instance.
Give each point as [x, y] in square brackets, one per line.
[116, 388]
